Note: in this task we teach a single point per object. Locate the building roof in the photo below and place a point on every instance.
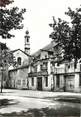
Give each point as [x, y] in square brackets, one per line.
[21, 51]
[49, 46]
[21, 67]
[46, 48]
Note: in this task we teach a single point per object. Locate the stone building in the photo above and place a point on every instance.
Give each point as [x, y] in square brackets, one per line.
[39, 72]
[18, 78]
[18, 75]
[45, 70]
[21, 57]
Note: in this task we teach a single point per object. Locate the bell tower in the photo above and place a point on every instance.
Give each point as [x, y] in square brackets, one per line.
[27, 43]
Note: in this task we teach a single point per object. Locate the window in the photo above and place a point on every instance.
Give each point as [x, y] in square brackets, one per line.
[32, 81]
[75, 65]
[24, 83]
[27, 39]
[46, 81]
[19, 82]
[58, 64]
[45, 56]
[41, 67]
[68, 66]
[44, 66]
[35, 68]
[80, 80]
[19, 60]
[80, 67]
[58, 81]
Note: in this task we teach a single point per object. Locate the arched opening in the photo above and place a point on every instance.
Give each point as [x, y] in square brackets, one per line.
[19, 60]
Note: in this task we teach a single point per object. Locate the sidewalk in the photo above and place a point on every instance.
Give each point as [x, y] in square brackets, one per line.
[37, 94]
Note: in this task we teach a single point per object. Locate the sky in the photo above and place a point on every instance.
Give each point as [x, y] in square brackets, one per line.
[37, 18]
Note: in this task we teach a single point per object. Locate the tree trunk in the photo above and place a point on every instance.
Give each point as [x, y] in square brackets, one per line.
[2, 82]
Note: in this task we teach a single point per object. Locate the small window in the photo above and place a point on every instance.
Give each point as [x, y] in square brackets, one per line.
[75, 65]
[80, 80]
[58, 81]
[19, 82]
[19, 60]
[45, 56]
[68, 66]
[40, 67]
[24, 83]
[27, 39]
[46, 81]
[57, 64]
[35, 68]
[45, 65]
[32, 81]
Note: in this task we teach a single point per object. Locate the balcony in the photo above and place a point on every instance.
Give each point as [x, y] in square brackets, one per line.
[62, 70]
[43, 69]
[59, 71]
[38, 74]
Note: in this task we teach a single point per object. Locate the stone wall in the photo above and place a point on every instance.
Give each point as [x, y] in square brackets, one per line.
[19, 78]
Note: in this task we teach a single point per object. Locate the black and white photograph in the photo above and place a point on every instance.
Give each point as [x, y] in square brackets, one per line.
[40, 58]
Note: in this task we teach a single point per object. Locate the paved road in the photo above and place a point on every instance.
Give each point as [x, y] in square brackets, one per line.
[23, 100]
[38, 94]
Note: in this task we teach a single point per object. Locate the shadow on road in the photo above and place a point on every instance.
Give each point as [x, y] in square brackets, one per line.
[6, 102]
[47, 112]
[67, 107]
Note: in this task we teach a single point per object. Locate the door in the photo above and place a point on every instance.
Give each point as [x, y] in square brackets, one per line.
[58, 81]
[70, 83]
[39, 83]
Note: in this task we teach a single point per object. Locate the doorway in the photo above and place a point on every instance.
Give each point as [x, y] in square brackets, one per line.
[39, 83]
[70, 83]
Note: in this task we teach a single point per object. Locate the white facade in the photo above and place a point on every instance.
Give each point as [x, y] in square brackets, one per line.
[19, 78]
[23, 56]
[51, 76]
[18, 75]
[44, 73]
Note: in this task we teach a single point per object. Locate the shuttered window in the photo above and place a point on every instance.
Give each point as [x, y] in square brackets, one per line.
[46, 81]
[32, 81]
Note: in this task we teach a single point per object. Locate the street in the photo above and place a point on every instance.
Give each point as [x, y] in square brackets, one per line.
[37, 103]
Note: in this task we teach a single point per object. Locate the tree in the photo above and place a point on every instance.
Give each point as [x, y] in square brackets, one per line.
[75, 36]
[68, 34]
[6, 59]
[61, 35]
[10, 19]
[3, 3]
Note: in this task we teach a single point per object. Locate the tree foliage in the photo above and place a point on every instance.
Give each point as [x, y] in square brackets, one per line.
[10, 19]
[68, 34]
[6, 56]
[3, 3]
